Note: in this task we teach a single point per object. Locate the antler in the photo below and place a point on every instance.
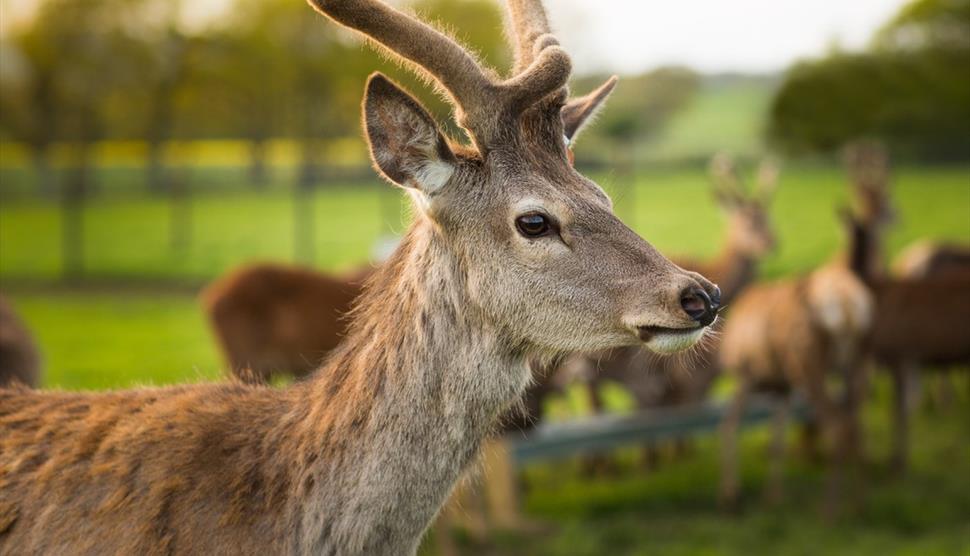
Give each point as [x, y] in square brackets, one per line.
[868, 165]
[528, 23]
[484, 105]
[724, 174]
[767, 180]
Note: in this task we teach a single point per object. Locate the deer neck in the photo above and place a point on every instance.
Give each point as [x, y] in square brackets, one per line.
[401, 408]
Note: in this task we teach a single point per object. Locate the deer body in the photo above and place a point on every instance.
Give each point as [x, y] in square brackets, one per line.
[19, 359]
[791, 334]
[512, 255]
[354, 461]
[273, 319]
[930, 258]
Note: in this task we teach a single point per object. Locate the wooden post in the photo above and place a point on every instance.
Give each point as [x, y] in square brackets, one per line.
[180, 215]
[501, 492]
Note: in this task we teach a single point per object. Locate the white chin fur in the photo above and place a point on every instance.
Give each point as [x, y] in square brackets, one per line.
[667, 342]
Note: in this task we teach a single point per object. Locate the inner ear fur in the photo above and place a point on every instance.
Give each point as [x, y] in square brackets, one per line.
[579, 111]
[406, 145]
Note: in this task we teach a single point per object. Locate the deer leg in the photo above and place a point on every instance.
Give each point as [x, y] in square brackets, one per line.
[730, 480]
[853, 440]
[776, 457]
[830, 424]
[902, 376]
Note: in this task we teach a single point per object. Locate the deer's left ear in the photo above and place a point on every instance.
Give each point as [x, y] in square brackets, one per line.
[578, 111]
[405, 143]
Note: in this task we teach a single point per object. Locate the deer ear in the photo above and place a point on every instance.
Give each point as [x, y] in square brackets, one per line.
[405, 142]
[578, 111]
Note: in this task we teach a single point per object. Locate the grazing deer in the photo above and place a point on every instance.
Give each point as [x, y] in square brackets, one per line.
[19, 359]
[663, 381]
[511, 255]
[791, 334]
[272, 319]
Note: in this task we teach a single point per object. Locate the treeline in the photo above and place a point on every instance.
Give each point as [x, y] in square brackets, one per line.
[910, 89]
[83, 71]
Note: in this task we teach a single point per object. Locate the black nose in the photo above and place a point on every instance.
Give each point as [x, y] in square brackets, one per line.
[699, 306]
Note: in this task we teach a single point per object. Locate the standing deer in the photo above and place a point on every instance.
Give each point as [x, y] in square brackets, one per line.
[791, 334]
[19, 359]
[272, 319]
[912, 329]
[512, 254]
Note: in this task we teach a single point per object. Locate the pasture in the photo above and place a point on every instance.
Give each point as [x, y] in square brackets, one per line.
[133, 320]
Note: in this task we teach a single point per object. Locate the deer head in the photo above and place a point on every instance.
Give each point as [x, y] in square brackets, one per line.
[749, 226]
[543, 257]
[867, 164]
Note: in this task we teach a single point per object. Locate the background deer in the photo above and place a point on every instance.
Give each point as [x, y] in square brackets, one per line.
[512, 255]
[911, 331]
[791, 334]
[931, 258]
[273, 319]
[19, 358]
[662, 381]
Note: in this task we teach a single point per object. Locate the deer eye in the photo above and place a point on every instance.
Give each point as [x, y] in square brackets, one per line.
[533, 225]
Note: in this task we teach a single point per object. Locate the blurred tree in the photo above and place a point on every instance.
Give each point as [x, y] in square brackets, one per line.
[28, 103]
[911, 90]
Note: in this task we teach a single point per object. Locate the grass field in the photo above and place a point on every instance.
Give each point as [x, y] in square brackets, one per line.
[128, 236]
[135, 326]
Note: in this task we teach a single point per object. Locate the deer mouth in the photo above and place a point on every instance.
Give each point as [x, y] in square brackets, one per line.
[662, 339]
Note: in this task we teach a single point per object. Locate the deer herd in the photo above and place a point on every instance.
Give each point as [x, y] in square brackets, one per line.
[514, 268]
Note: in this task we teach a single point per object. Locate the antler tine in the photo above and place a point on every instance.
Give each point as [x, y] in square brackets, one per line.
[725, 175]
[425, 47]
[528, 22]
[477, 96]
[767, 179]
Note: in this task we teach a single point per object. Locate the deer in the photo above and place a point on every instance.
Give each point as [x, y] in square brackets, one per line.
[792, 334]
[511, 255]
[911, 330]
[926, 258]
[19, 357]
[908, 334]
[277, 320]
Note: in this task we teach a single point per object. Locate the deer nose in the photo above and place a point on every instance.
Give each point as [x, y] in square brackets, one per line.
[699, 306]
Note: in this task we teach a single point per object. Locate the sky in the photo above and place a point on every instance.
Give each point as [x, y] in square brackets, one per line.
[629, 36]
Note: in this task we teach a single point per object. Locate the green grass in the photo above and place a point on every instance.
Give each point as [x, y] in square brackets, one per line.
[128, 236]
[106, 338]
[102, 340]
[722, 115]
[672, 510]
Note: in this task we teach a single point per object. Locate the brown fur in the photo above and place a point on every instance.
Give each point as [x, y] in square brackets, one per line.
[920, 307]
[930, 258]
[920, 323]
[272, 319]
[358, 458]
[19, 358]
